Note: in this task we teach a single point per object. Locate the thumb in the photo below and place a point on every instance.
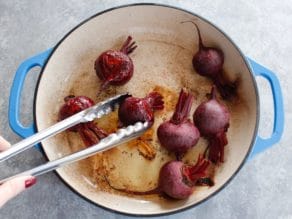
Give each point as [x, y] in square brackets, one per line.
[15, 186]
[3, 144]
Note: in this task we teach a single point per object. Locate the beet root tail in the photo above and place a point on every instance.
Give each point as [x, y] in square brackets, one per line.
[128, 46]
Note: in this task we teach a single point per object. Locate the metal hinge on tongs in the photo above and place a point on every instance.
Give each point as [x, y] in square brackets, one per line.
[97, 111]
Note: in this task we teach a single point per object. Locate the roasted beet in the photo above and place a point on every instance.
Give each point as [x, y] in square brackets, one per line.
[171, 180]
[212, 119]
[208, 62]
[72, 106]
[179, 134]
[134, 109]
[89, 132]
[115, 67]
[177, 179]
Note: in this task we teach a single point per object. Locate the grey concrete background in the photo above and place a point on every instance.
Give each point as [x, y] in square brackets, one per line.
[262, 29]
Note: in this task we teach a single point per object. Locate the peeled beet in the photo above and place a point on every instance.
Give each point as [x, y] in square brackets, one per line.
[115, 67]
[74, 105]
[179, 134]
[89, 132]
[134, 109]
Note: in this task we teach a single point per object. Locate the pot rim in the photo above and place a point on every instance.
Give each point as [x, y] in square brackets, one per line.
[205, 20]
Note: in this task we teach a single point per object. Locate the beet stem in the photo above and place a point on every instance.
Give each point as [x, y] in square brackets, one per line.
[125, 45]
[182, 108]
[213, 92]
[131, 47]
[90, 133]
[100, 133]
[155, 100]
[128, 46]
[216, 147]
[193, 173]
[87, 136]
[130, 50]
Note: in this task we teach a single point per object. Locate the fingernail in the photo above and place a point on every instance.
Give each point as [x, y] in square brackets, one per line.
[30, 182]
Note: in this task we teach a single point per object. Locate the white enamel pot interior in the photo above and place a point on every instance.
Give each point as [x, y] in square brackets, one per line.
[162, 59]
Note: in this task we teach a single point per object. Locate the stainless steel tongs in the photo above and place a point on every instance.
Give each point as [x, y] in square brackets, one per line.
[97, 111]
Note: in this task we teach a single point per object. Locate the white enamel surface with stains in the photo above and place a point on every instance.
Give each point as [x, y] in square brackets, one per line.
[163, 58]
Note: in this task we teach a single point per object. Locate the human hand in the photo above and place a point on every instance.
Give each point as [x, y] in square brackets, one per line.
[13, 187]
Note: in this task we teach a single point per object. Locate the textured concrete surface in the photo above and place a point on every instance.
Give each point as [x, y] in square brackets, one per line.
[262, 29]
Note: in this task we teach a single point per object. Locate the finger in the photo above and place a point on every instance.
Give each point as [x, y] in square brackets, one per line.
[4, 144]
[13, 187]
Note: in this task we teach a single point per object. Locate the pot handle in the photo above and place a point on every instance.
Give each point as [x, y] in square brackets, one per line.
[15, 93]
[263, 143]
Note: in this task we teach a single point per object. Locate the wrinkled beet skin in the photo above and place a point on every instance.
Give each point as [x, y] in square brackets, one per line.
[73, 106]
[211, 118]
[134, 110]
[89, 132]
[178, 138]
[115, 67]
[171, 181]
[208, 62]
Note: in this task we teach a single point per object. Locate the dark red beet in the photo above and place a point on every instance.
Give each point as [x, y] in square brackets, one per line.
[177, 179]
[134, 109]
[74, 105]
[179, 134]
[208, 62]
[89, 132]
[115, 67]
[212, 119]
[171, 180]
